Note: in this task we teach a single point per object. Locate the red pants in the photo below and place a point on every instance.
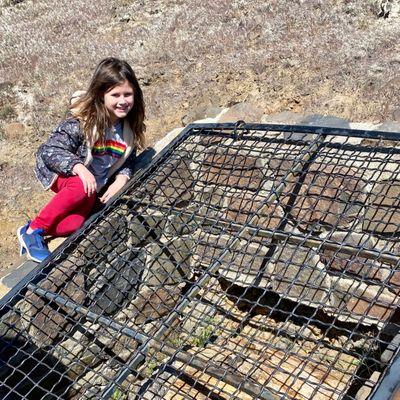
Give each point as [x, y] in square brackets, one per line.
[67, 210]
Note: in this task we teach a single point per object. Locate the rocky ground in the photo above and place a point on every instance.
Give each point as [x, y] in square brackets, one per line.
[333, 57]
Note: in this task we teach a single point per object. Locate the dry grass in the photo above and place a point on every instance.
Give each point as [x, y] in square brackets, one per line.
[330, 57]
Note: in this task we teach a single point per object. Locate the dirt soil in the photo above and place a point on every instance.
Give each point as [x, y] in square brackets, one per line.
[332, 57]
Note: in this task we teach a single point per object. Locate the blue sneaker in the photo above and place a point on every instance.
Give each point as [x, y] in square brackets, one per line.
[33, 244]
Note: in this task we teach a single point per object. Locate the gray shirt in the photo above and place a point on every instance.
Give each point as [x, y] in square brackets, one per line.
[106, 153]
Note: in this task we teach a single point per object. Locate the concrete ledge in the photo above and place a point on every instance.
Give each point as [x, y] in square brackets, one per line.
[9, 281]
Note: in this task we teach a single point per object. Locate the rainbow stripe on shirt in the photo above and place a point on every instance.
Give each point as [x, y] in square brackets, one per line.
[110, 147]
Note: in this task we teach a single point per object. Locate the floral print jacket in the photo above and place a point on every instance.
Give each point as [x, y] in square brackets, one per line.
[66, 147]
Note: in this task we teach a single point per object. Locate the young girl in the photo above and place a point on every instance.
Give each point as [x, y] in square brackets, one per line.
[91, 152]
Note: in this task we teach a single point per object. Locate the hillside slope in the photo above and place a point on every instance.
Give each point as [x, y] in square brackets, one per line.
[333, 57]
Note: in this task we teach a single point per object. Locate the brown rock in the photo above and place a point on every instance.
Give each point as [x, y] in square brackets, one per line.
[385, 193]
[382, 220]
[383, 211]
[245, 205]
[366, 302]
[170, 184]
[352, 263]
[395, 279]
[150, 303]
[367, 309]
[329, 195]
[296, 273]
[242, 112]
[201, 112]
[240, 265]
[44, 322]
[231, 169]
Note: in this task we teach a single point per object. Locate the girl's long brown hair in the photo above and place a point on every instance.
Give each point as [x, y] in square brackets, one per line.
[90, 109]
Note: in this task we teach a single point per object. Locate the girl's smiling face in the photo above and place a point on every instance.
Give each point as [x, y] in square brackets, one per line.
[119, 101]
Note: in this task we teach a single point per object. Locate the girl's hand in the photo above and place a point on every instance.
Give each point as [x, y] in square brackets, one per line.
[87, 178]
[115, 187]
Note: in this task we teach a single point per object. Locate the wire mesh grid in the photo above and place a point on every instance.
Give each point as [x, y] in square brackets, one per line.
[247, 262]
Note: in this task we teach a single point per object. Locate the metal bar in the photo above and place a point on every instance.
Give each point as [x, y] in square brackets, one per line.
[90, 315]
[390, 350]
[302, 129]
[388, 385]
[194, 290]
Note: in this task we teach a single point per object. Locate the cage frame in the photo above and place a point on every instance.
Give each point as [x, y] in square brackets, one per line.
[389, 381]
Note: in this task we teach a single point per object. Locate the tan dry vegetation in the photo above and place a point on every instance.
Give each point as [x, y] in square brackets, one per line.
[331, 57]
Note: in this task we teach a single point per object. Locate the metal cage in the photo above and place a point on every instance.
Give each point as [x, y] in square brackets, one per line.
[245, 262]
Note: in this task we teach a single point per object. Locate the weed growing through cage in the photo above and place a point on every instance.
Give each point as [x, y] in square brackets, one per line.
[150, 367]
[204, 334]
[118, 395]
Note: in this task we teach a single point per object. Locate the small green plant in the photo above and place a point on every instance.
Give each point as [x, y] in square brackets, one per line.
[7, 112]
[151, 366]
[204, 334]
[118, 395]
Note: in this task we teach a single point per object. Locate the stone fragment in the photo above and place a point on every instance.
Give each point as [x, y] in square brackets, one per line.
[385, 193]
[145, 226]
[75, 355]
[394, 281]
[46, 322]
[366, 309]
[327, 121]
[114, 281]
[170, 184]
[199, 317]
[390, 126]
[10, 323]
[246, 206]
[241, 112]
[353, 264]
[204, 111]
[281, 163]
[370, 304]
[150, 303]
[370, 384]
[90, 385]
[105, 235]
[179, 224]
[168, 262]
[329, 195]
[382, 213]
[297, 273]
[315, 120]
[210, 195]
[241, 262]
[231, 168]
